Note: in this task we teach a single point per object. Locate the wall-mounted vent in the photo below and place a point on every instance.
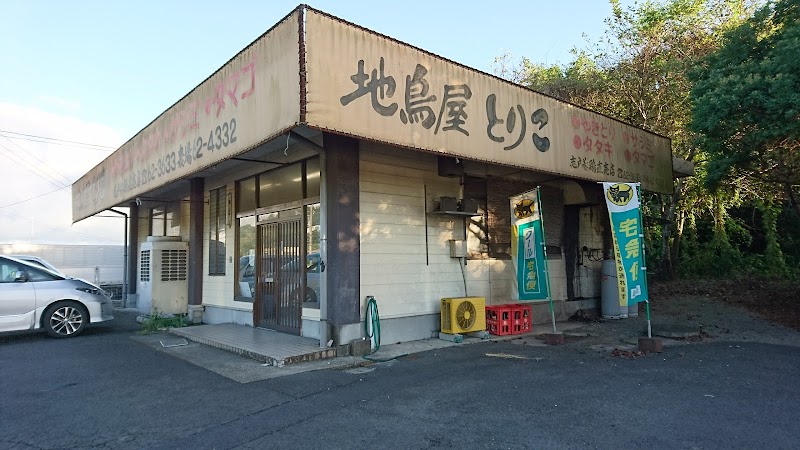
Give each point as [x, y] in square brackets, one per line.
[450, 166]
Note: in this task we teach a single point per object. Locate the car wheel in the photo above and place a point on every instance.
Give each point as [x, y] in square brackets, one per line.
[65, 320]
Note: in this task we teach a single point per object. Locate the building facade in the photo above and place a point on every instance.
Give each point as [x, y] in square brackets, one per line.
[326, 163]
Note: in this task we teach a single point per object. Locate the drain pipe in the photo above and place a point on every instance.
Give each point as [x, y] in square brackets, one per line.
[124, 260]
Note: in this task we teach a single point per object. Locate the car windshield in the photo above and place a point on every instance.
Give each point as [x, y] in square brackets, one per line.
[35, 272]
[38, 263]
[312, 262]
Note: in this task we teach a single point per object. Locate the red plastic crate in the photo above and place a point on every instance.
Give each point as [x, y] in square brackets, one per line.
[498, 320]
[520, 318]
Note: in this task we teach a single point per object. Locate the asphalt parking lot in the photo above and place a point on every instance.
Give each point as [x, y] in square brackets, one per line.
[107, 389]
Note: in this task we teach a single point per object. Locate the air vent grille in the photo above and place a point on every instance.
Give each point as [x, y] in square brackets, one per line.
[144, 265]
[173, 265]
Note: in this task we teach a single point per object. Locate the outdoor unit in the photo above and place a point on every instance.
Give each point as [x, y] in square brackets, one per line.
[163, 275]
[463, 314]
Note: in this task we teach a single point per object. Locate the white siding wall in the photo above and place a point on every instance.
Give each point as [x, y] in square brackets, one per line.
[393, 250]
[218, 289]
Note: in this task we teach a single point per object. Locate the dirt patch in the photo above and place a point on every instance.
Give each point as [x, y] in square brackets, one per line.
[569, 338]
[774, 300]
[726, 310]
[702, 335]
[627, 353]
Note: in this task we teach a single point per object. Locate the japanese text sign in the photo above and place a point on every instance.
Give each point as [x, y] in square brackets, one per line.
[627, 231]
[371, 86]
[527, 248]
[253, 97]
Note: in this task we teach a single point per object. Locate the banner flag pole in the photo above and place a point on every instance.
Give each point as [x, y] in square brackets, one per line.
[644, 262]
[544, 251]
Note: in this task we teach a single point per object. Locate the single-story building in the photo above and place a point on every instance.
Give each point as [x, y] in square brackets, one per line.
[383, 170]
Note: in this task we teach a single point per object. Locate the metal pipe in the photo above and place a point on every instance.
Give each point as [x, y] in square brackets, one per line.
[124, 260]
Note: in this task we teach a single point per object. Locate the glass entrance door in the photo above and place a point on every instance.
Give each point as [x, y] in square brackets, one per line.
[281, 275]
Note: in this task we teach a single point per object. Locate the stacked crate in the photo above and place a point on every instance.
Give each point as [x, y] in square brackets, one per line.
[502, 320]
[520, 318]
[498, 320]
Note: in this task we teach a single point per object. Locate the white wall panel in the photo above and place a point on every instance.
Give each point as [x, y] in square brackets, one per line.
[393, 204]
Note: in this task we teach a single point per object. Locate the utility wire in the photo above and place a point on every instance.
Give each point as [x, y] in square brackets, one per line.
[44, 164]
[67, 230]
[16, 159]
[32, 198]
[44, 139]
[61, 144]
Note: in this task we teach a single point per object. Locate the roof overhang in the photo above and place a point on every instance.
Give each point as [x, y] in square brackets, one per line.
[317, 70]
[253, 98]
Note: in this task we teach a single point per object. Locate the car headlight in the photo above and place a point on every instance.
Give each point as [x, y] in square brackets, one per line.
[93, 291]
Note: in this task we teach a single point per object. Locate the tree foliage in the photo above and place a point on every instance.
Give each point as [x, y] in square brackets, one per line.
[638, 73]
[746, 102]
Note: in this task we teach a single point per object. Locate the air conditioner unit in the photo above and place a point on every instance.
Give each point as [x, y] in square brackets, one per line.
[163, 275]
[463, 314]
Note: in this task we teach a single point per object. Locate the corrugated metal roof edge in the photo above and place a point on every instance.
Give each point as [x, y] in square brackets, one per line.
[285, 18]
[331, 16]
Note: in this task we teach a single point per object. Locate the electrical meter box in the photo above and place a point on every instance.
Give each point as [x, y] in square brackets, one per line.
[458, 248]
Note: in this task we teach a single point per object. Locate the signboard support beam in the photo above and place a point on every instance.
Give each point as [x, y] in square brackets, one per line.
[196, 206]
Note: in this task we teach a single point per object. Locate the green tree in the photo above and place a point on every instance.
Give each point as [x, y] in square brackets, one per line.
[640, 73]
[637, 73]
[746, 102]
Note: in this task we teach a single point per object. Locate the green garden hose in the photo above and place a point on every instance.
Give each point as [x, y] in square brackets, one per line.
[373, 319]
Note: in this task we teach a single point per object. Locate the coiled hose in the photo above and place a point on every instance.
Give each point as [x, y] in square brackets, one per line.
[372, 318]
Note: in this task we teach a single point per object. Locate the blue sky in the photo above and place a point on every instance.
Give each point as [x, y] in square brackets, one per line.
[99, 71]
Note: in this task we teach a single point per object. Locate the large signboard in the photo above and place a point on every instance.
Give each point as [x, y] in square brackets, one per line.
[254, 97]
[371, 86]
[527, 248]
[628, 236]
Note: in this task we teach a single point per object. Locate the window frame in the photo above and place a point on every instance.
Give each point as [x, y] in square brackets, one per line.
[217, 227]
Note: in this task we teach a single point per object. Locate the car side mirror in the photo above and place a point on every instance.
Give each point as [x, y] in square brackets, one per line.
[20, 276]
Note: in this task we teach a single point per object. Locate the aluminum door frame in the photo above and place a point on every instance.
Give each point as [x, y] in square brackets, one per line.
[281, 248]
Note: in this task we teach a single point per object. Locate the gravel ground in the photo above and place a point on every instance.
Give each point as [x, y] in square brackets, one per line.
[684, 319]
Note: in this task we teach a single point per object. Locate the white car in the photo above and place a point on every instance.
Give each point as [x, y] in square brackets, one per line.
[33, 297]
[36, 261]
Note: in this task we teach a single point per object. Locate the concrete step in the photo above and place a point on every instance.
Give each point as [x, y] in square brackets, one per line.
[271, 347]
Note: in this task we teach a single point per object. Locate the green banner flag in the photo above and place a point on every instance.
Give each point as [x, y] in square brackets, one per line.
[527, 248]
[628, 235]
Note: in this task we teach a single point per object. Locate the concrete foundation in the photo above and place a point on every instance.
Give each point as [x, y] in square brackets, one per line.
[650, 345]
[404, 329]
[345, 334]
[396, 330]
[457, 338]
[310, 329]
[195, 314]
[360, 347]
[217, 314]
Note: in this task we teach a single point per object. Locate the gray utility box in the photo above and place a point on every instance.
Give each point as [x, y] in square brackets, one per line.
[458, 248]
